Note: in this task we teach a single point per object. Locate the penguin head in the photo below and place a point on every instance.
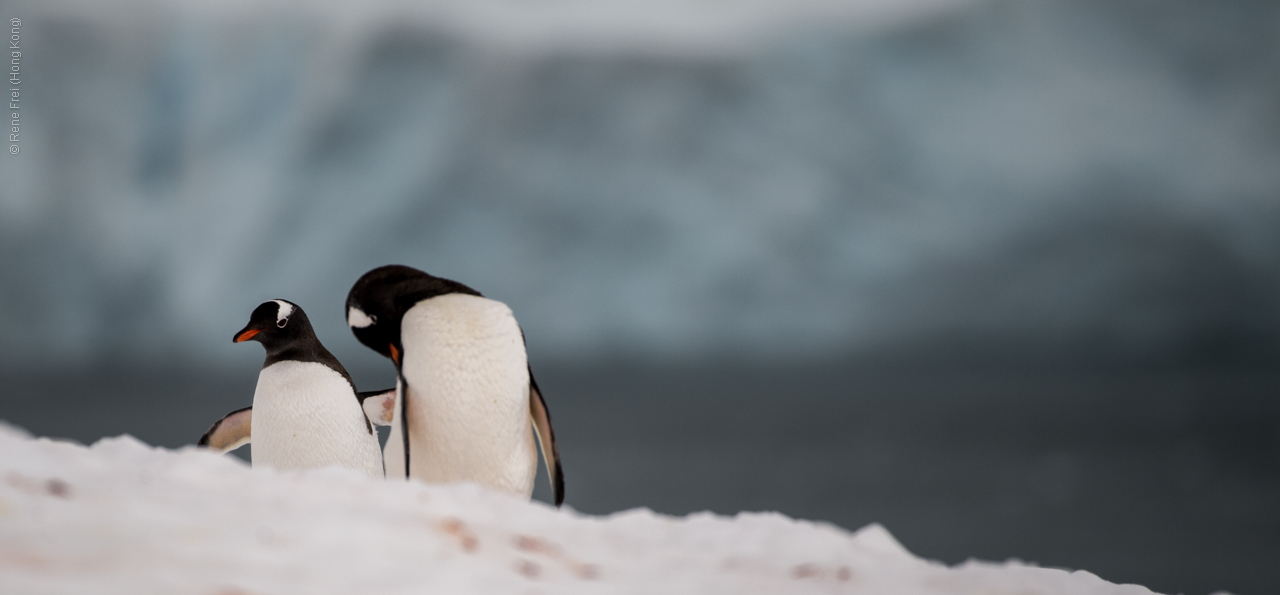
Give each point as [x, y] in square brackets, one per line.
[379, 299]
[276, 324]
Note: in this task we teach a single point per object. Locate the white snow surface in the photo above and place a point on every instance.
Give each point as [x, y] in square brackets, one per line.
[123, 517]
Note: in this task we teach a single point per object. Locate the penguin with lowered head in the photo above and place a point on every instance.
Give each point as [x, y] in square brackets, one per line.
[306, 412]
[467, 407]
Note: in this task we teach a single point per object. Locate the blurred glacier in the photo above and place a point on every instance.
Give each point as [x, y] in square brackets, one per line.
[660, 181]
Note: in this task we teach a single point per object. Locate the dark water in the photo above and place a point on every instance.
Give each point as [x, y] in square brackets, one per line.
[1166, 479]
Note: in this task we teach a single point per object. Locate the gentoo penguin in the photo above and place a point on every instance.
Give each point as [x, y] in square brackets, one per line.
[467, 406]
[306, 412]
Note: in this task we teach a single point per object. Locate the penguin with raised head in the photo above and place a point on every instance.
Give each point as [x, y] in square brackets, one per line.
[306, 412]
[467, 407]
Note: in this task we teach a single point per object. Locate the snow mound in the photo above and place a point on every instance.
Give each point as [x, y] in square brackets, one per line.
[123, 517]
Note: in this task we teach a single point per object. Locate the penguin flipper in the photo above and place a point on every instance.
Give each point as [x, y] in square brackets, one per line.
[546, 438]
[229, 433]
[379, 405]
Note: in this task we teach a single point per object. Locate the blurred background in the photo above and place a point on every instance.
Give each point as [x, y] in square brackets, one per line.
[1003, 276]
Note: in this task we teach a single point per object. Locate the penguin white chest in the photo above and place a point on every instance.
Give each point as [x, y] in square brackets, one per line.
[305, 415]
[467, 380]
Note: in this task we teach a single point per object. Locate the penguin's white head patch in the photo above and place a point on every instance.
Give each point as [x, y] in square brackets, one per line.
[356, 318]
[282, 314]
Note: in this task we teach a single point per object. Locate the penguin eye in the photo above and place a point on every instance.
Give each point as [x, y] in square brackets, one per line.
[280, 323]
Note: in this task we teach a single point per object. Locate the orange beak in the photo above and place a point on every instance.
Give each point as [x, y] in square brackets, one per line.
[395, 354]
[245, 336]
